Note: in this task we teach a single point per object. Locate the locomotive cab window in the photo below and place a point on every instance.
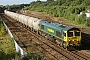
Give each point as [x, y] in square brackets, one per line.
[70, 34]
[77, 33]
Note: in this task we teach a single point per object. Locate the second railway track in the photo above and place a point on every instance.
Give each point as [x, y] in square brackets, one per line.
[50, 50]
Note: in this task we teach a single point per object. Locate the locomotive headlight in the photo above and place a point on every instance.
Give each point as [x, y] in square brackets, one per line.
[73, 40]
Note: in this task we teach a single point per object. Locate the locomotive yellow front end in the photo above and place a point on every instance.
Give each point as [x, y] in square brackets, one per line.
[74, 37]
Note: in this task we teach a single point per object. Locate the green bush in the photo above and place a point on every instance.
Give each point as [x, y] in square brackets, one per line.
[88, 22]
[68, 9]
[32, 56]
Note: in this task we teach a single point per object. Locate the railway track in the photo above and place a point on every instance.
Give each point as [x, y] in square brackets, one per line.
[82, 54]
[50, 50]
[19, 33]
[85, 31]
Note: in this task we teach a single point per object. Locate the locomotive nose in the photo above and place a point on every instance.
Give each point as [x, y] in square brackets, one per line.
[74, 41]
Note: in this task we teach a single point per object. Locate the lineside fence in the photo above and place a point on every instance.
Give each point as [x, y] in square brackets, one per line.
[18, 48]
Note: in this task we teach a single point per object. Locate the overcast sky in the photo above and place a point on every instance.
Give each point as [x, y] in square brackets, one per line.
[10, 2]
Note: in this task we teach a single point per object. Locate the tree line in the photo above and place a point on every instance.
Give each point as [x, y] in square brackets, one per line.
[69, 9]
[13, 7]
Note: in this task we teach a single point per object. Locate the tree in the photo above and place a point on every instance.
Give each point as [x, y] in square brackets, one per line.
[87, 23]
[38, 0]
[50, 0]
[68, 9]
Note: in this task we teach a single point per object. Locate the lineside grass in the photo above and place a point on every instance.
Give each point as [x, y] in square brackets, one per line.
[7, 48]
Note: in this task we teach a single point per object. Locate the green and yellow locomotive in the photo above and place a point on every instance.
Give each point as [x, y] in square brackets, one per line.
[63, 35]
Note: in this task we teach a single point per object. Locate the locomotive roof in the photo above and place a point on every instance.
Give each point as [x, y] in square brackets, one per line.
[56, 25]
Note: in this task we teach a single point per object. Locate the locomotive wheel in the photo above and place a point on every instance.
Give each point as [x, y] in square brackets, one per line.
[61, 44]
[39, 33]
[64, 45]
